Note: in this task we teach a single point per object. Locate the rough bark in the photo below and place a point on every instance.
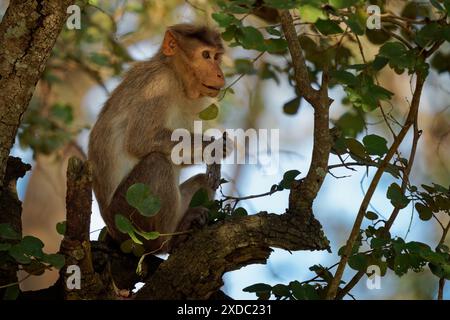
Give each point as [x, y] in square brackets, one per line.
[28, 32]
[195, 270]
[10, 209]
[76, 244]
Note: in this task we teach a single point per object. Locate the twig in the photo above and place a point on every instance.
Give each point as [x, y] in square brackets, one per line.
[332, 290]
[224, 92]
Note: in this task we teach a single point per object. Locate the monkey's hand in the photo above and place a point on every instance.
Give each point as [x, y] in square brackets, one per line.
[194, 218]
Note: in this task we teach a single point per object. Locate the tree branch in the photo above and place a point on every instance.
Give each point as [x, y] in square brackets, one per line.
[28, 32]
[76, 243]
[196, 268]
[332, 290]
[304, 192]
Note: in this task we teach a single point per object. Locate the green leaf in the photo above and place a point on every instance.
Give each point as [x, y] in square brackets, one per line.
[258, 287]
[140, 197]
[379, 63]
[7, 232]
[11, 292]
[395, 194]
[19, 254]
[356, 24]
[123, 224]
[371, 215]
[428, 34]
[358, 262]
[392, 50]
[440, 188]
[273, 31]
[127, 246]
[5, 246]
[291, 107]
[327, 27]
[36, 268]
[134, 237]
[102, 235]
[280, 4]
[276, 45]
[32, 246]
[200, 198]
[223, 19]
[310, 13]
[356, 148]
[288, 178]
[152, 235]
[440, 270]
[437, 5]
[138, 250]
[63, 112]
[229, 33]
[240, 212]
[250, 38]
[303, 291]
[210, 113]
[344, 77]
[351, 124]
[61, 227]
[55, 259]
[425, 213]
[375, 145]
[281, 290]
[339, 4]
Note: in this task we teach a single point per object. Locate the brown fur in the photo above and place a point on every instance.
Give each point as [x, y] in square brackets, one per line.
[130, 141]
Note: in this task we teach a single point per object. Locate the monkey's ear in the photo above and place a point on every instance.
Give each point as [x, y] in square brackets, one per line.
[169, 44]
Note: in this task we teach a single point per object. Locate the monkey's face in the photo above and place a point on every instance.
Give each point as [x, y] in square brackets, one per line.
[206, 66]
[196, 61]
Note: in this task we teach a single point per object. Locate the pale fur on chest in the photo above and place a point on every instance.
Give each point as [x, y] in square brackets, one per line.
[182, 112]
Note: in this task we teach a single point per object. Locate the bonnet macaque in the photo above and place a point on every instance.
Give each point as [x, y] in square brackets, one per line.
[131, 140]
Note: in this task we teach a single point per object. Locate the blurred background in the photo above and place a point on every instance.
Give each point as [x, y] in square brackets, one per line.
[87, 64]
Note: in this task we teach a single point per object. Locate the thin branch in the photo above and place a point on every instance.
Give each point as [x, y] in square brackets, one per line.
[224, 92]
[303, 193]
[332, 290]
[298, 60]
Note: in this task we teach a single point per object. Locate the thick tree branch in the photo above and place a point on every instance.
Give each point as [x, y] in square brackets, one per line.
[196, 268]
[28, 32]
[304, 192]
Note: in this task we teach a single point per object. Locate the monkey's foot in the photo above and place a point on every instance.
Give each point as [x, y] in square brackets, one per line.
[194, 218]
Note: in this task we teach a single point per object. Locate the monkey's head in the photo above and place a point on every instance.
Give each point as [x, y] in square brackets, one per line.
[196, 53]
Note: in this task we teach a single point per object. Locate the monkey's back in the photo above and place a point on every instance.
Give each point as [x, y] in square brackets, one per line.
[107, 150]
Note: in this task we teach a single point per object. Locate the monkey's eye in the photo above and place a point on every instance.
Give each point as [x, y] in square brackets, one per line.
[205, 54]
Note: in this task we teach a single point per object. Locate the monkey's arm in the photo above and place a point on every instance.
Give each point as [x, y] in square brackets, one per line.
[145, 131]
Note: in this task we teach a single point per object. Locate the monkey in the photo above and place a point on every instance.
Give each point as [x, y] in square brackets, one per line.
[131, 140]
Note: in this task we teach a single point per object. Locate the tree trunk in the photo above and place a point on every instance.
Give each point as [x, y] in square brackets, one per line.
[28, 33]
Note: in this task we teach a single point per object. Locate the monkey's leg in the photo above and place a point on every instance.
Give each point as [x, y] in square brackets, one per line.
[193, 217]
[156, 171]
[191, 186]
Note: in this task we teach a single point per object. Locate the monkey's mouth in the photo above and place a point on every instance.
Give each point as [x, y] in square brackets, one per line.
[211, 87]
